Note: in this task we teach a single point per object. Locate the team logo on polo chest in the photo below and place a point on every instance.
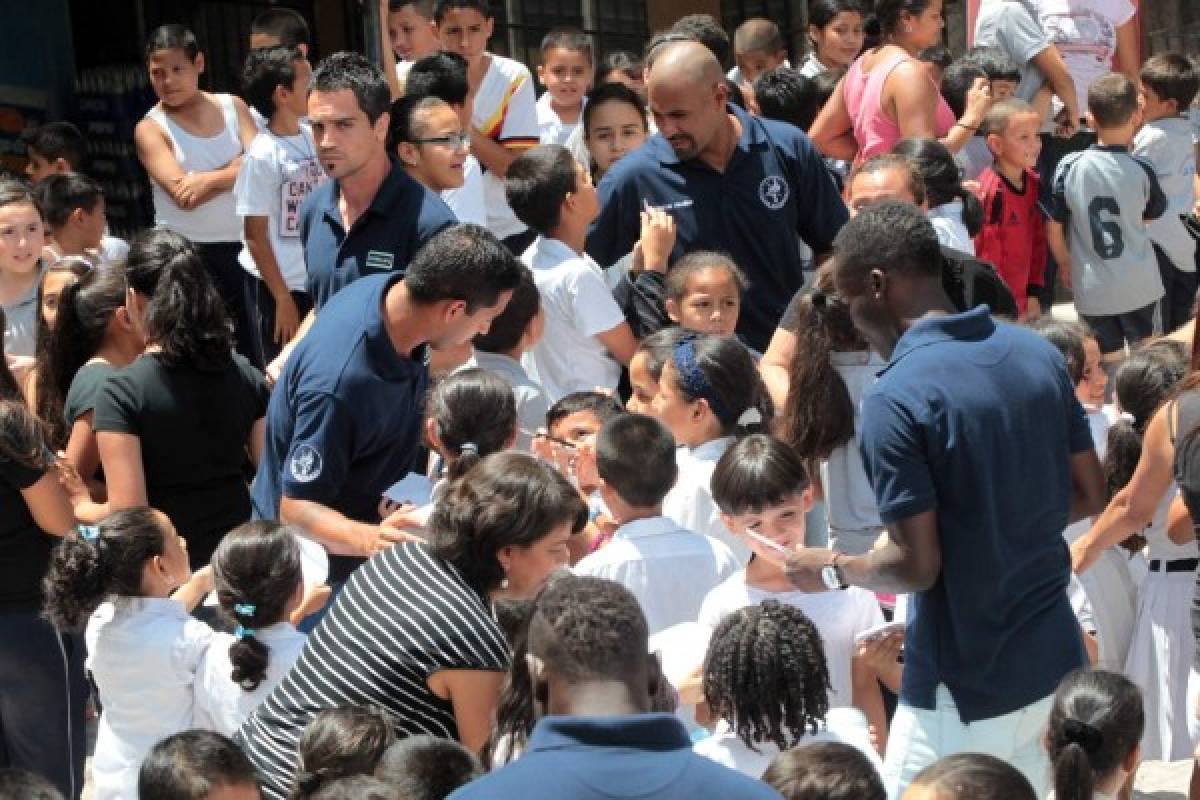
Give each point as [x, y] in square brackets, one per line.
[773, 192]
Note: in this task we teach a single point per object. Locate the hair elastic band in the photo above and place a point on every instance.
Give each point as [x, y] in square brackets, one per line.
[694, 382]
[1089, 737]
[242, 633]
[244, 609]
[89, 533]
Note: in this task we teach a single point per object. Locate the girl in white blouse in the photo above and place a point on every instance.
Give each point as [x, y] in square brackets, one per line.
[260, 586]
[130, 573]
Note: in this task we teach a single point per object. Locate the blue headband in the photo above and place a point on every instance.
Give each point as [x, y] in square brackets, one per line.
[693, 380]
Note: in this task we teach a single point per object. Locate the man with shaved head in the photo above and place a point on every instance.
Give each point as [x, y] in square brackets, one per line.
[750, 187]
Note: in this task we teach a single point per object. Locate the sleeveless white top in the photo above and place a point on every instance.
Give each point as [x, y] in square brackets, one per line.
[217, 219]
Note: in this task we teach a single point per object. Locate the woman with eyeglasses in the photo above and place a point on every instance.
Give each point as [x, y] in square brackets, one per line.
[426, 135]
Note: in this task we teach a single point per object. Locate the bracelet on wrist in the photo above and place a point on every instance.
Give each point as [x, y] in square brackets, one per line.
[964, 126]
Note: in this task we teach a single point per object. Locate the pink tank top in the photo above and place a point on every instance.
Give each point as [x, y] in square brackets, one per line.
[873, 129]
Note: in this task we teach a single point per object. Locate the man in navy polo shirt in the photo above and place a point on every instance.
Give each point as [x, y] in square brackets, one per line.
[979, 455]
[749, 187]
[344, 419]
[589, 662]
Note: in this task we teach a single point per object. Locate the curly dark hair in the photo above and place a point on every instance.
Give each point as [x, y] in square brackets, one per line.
[587, 628]
[341, 742]
[83, 573]
[256, 568]
[894, 237]
[765, 674]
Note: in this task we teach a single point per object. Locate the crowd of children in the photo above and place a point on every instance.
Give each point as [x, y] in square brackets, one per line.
[584, 579]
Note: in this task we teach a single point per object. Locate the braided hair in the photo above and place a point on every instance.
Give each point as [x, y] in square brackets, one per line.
[765, 674]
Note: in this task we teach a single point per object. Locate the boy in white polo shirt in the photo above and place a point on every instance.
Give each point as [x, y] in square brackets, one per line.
[587, 339]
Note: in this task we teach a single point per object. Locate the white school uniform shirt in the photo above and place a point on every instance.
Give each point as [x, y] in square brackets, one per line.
[143, 653]
[951, 231]
[221, 704]
[505, 111]
[277, 174]
[532, 403]
[1167, 144]
[691, 503]
[578, 305]
[838, 617]
[844, 725]
[467, 201]
[551, 128]
[669, 569]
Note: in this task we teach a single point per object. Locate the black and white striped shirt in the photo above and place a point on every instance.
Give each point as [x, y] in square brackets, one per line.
[403, 616]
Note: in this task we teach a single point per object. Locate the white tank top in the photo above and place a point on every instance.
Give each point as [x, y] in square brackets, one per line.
[216, 220]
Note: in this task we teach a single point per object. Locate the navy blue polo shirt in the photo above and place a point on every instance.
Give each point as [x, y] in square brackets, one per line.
[774, 191]
[345, 417]
[403, 215]
[607, 758]
[977, 420]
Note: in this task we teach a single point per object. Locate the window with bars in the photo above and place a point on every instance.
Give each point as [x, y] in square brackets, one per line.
[612, 24]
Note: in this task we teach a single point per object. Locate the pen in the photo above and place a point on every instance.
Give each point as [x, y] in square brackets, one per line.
[778, 548]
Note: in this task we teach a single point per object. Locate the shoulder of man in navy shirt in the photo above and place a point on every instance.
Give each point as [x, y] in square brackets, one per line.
[402, 216]
[770, 190]
[980, 455]
[589, 652]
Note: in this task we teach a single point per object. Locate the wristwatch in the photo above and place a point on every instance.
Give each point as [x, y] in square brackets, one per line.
[831, 574]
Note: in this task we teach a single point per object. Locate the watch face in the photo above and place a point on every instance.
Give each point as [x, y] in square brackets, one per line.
[830, 577]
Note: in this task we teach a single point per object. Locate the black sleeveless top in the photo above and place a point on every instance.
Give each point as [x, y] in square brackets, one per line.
[1183, 424]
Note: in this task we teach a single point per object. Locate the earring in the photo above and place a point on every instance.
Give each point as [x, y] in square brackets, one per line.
[504, 583]
[908, 28]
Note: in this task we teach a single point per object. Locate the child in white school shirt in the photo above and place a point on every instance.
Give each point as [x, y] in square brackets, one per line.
[587, 339]
[143, 647]
[669, 569]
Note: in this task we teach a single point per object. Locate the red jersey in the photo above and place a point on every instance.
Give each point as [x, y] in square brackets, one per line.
[1013, 237]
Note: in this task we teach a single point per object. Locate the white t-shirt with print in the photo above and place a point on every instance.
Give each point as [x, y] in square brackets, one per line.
[578, 305]
[506, 112]
[838, 617]
[1167, 145]
[277, 174]
[1085, 32]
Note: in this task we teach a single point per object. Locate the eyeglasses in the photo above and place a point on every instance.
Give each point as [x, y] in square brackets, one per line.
[454, 141]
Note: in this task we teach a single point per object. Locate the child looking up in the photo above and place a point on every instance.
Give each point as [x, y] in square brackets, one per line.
[762, 489]
[767, 684]
[278, 172]
[587, 339]
[128, 578]
[1168, 86]
[566, 71]
[1013, 234]
[191, 144]
[667, 568]
[1101, 199]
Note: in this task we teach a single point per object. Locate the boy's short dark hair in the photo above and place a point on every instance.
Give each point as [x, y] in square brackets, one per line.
[427, 768]
[288, 26]
[265, 69]
[604, 406]
[353, 71]
[21, 784]
[1001, 113]
[356, 787]
[705, 29]
[787, 95]
[1112, 100]
[995, 63]
[1172, 77]
[508, 328]
[957, 80]
[442, 7]
[756, 473]
[537, 183]
[442, 75]
[173, 37]
[422, 7]
[570, 39]
[463, 262]
[56, 140]
[190, 765]
[59, 195]
[824, 771]
[635, 456]
[758, 35]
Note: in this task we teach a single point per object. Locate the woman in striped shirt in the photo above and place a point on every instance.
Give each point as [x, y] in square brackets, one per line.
[414, 630]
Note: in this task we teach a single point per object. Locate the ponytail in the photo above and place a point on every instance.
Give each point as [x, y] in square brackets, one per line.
[721, 371]
[819, 414]
[256, 570]
[943, 178]
[94, 562]
[1095, 723]
[1142, 384]
[972, 213]
[475, 414]
[185, 316]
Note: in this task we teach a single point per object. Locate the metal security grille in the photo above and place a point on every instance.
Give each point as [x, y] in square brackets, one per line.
[612, 24]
